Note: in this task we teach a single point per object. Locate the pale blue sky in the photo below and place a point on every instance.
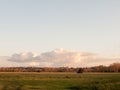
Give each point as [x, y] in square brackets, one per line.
[43, 25]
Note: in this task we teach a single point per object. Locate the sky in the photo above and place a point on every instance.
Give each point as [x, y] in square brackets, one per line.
[68, 26]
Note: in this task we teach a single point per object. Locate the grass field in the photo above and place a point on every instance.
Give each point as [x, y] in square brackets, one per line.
[59, 81]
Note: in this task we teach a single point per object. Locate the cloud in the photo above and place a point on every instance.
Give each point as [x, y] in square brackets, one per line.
[60, 57]
[22, 57]
[57, 57]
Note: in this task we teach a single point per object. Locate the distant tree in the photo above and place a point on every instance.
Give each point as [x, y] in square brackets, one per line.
[80, 70]
[115, 67]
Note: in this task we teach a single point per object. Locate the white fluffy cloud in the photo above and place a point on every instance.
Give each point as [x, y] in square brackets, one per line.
[59, 57]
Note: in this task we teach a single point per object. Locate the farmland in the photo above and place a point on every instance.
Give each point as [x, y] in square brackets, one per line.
[59, 81]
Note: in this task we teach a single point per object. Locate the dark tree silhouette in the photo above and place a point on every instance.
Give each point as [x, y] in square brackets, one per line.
[80, 70]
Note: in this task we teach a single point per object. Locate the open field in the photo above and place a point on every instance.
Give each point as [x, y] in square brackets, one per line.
[59, 81]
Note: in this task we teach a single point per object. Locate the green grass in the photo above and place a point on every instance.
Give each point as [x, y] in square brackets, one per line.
[59, 81]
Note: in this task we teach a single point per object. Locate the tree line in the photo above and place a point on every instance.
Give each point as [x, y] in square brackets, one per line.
[115, 67]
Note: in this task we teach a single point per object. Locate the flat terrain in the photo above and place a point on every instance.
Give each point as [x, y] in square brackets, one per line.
[59, 81]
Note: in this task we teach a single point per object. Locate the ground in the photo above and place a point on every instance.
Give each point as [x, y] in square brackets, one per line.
[59, 81]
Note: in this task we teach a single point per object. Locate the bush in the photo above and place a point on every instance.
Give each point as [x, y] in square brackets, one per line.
[80, 70]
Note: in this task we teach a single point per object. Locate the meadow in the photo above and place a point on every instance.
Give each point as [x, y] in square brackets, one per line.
[59, 81]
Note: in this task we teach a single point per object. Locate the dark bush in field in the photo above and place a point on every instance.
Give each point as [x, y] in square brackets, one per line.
[80, 70]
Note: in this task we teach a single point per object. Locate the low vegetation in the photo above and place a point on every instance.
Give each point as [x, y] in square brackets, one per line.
[59, 81]
[61, 78]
